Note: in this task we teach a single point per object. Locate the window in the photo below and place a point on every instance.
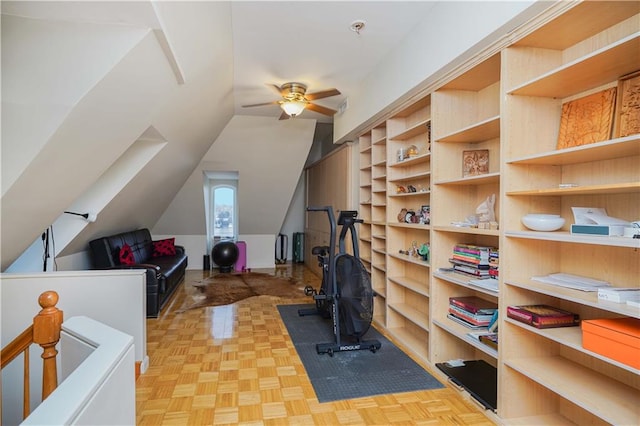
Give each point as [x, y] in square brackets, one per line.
[221, 206]
[224, 212]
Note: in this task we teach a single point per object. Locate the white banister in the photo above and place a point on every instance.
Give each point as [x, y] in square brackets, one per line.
[98, 380]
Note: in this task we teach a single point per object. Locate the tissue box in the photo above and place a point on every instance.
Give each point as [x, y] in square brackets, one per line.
[609, 230]
[615, 338]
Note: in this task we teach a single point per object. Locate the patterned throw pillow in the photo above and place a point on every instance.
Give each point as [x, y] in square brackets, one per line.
[126, 255]
[164, 248]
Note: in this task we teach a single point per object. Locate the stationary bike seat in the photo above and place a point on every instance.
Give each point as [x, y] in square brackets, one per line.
[321, 250]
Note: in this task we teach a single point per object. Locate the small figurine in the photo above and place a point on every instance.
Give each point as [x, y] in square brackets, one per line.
[485, 210]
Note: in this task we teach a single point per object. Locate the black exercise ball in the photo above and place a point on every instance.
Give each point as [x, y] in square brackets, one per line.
[225, 255]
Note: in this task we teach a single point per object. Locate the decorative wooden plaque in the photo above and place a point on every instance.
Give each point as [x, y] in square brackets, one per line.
[628, 112]
[475, 162]
[587, 120]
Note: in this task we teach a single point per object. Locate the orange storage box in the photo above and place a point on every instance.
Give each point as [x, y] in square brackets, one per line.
[615, 338]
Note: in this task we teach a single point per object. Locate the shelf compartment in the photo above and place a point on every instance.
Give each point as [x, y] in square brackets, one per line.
[416, 226]
[608, 399]
[484, 130]
[422, 158]
[473, 180]
[596, 69]
[408, 334]
[615, 188]
[567, 237]
[379, 311]
[576, 296]
[411, 176]
[627, 146]
[466, 230]
[463, 281]
[409, 194]
[572, 338]
[416, 129]
[419, 318]
[460, 331]
[412, 284]
[409, 259]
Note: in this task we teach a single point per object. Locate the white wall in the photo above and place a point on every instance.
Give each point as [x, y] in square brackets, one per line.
[452, 32]
[115, 298]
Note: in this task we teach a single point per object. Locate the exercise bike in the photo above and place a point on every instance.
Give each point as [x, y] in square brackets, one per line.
[345, 294]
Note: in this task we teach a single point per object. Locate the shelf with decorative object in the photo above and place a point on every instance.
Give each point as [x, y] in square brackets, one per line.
[550, 166]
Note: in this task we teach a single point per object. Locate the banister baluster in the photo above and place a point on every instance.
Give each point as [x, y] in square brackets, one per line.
[46, 333]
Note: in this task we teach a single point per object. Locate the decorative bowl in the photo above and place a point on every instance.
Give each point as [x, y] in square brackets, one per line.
[543, 222]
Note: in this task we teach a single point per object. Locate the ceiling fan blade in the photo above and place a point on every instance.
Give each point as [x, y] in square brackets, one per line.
[284, 116]
[262, 104]
[321, 109]
[277, 88]
[323, 94]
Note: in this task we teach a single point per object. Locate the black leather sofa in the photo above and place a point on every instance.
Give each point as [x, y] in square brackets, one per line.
[164, 272]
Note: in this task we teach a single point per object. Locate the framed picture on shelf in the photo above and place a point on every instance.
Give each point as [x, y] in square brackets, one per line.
[475, 162]
[628, 108]
[587, 120]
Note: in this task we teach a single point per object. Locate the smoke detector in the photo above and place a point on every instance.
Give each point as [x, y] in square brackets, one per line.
[357, 26]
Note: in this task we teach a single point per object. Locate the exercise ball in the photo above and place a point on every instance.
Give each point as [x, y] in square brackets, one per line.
[225, 254]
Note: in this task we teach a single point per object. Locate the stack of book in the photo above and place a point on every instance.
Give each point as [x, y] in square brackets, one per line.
[543, 316]
[477, 261]
[471, 311]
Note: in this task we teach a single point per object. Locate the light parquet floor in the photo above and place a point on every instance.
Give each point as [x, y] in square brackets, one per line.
[236, 364]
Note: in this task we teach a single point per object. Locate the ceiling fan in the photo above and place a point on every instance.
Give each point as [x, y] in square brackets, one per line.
[295, 100]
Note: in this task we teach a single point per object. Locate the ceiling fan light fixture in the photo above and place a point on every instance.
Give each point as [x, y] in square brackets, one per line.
[293, 108]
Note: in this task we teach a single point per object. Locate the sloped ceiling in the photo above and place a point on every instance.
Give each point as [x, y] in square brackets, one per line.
[77, 95]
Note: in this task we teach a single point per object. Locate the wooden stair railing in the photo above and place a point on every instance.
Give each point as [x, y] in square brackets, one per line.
[45, 331]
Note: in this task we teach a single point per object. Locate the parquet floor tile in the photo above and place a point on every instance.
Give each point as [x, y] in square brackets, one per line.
[236, 365]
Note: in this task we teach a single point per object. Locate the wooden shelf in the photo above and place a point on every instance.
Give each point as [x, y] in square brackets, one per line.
[465, 230]
[615, 148]
[482, 131]
[609, 399]
[415, 130]
[576, 296]
[460, 331]
[422, 158]
[409, 259]
[614, 188]
[410, 176]
[570, 337]
[411, 284]
[567, 237]
[596, 69]
[463, 281]
[419, 318]
[509, 103]
[473, 180]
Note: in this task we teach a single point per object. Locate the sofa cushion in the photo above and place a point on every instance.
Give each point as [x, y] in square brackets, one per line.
[126, 255]
[164, 247]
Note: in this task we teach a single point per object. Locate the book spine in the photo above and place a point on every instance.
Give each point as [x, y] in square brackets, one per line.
[471, 271]
[490, 340]
[470, 307]
[476, 319]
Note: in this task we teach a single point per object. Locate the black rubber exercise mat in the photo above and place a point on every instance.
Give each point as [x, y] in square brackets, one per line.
[352, 374]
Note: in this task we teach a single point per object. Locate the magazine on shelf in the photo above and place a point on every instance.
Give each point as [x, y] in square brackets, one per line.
[575, 282]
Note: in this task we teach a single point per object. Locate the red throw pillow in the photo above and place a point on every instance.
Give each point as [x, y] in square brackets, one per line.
[164, 248]
[126, 255]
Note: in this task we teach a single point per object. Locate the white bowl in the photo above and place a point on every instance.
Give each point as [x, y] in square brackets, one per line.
[543, 222]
